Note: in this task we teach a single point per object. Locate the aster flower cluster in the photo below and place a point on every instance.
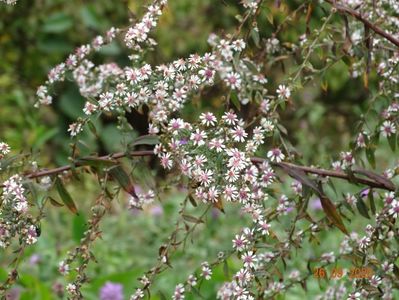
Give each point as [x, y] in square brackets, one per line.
[215, 153]
[83, 255]
[252, 5]
[4, 149]
[200, 152]
[337, 291]
[164, 89]
[181, 288]
[91, 78]
[386, 67]
[389, 125]
[14, 217]
[9, 2]
[355, 243]
[141, 199]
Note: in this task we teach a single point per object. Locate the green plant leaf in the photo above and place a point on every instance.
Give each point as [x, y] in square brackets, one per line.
[79, 226]
[192, 200]
[57, 22]
[255, 37]
[370, 157]
[65, 196]
[392, 142]
[371, 201]
[120, 175]
[332, 214]
[235, 101]
[146, 140]
[362, 208]
[192, 219]
[55, 202]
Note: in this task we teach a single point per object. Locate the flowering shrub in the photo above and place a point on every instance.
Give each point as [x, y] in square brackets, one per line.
[10, 2]
[240, 154]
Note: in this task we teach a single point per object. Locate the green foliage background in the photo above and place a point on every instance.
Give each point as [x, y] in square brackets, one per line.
[37, 35]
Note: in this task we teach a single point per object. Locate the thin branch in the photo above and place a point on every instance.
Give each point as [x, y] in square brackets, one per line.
[81, 163]
[380, 184]
[357, 15]
[379, 181]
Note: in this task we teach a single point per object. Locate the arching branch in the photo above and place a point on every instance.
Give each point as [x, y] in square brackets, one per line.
[378, 181]
[349, 11]
[374, 180]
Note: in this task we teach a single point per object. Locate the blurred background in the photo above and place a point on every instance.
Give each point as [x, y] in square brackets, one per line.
[37, 35]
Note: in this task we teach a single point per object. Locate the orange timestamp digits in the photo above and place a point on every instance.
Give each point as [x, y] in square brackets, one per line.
[337, 273]
[319, 273]
[361, 273]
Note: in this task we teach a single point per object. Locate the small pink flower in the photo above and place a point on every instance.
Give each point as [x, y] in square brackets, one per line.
[233, 80]
[283, 92]
[276, 155]
[387, 128]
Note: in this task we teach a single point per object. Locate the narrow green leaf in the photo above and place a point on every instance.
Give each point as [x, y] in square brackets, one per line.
[372, 202]
[392, 142]
[282, 104]
[347, 205]
[55, 202]
[57, 22]
[269, 16]
[331, 184]
[192, 219]
[376, 137]
[119, 174]
[192, 201]
[251, 66]
[370, 157]
[282, 129]
[306, 192]
[92, 128]
[332, 213]
[146, 140]
[235, 101]
[396, 271]
[362, 208]
[255, 36]
[226, 269]
[236, 60]
[65, 196]
[79, 226]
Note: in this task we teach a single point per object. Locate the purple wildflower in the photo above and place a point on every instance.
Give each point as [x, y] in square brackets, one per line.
[315, 204]
[13, 294]
[365, 192]
[34, 259]
[156, 210]
[111, 291]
